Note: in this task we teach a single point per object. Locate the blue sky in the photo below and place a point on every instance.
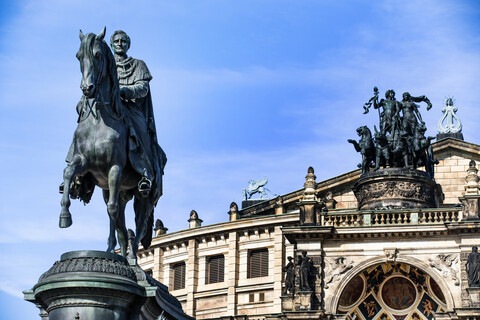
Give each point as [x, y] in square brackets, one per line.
[241, 90]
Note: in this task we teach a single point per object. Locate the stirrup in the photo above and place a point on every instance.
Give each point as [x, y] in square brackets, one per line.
[144, 186]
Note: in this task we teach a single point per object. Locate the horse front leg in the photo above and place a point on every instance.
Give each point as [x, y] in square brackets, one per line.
[113, 207]
[74, 167]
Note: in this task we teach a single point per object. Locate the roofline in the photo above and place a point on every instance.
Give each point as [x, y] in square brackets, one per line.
[452, 143]
[224, 227]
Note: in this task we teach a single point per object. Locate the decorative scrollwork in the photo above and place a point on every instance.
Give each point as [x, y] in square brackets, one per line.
[90, 264]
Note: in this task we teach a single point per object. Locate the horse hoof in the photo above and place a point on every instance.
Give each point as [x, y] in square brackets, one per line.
[131, 255]
[65, 221]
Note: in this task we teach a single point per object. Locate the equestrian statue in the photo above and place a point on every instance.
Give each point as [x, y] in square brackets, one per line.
[115, 143]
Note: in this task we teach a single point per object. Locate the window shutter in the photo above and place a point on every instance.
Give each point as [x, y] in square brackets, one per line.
[258, 263]
[215, 269]
[179, 276]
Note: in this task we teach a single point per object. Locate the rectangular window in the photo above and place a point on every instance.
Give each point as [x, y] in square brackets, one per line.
[179, 276]
[215, 269]
[258, 263]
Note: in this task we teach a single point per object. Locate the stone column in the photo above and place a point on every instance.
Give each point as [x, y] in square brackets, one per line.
[191, 281]
[158, 264]
[278, 260]
[232, 261]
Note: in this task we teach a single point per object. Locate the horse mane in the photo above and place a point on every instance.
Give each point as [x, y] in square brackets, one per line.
[87, 47]
[115, 101]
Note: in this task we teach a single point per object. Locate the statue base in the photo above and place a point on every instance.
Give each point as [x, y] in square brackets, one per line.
[456, 135]
[397, 188]
[474, 294]
[252, 202]
[471, 205]
[287, 302]
[100, 285]
[303, 300]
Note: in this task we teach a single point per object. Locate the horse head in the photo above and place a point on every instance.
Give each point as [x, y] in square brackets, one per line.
[92, 56]
[98, 68]
[364, 132]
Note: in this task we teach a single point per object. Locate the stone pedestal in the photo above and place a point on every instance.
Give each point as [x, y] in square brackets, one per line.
[252, 202]
[397, 188]
[101, 285]
[471, 207]
[89, 285]
[303, 300]
[308, 212]
[474, 294]
[287, 303]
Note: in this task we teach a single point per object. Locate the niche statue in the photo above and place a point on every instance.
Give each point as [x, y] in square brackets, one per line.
[289, 270]
[305, 272]
[473, 268]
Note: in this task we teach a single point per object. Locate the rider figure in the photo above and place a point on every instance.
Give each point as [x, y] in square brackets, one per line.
[145, 154]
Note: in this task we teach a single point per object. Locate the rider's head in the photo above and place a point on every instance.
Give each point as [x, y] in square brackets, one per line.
[120, 42]
[406, 96]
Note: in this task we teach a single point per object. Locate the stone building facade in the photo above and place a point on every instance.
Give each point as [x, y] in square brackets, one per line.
[366, 264]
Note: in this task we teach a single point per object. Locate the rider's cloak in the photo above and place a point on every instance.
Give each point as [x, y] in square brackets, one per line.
[144, 151]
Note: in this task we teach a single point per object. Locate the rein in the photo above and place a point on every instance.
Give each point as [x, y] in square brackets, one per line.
[98, 101]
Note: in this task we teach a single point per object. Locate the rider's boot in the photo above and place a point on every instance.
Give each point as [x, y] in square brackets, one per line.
[145, 185]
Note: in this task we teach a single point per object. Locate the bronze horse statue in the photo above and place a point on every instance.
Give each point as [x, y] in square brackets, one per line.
[365, 146]
[99, 152]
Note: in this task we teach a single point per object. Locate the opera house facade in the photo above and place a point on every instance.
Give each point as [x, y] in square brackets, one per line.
[391, 244]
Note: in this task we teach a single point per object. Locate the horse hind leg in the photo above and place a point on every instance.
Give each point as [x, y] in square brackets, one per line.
[115, 208]
[122, 234]
[75, 167]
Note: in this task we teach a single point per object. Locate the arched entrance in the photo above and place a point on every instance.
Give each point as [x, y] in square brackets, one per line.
[391, 292]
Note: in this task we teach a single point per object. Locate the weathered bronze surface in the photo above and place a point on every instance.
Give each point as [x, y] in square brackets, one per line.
[115, 144]
[396, 188]
[400, 141]
[101, 285]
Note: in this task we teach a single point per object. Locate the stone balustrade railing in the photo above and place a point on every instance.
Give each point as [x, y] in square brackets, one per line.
[341, 219]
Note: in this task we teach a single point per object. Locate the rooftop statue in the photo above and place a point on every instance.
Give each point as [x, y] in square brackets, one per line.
[401, 140]
[115, 144]
[256, 186]
[449, 115]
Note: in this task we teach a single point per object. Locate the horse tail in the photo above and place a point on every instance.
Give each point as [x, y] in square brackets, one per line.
[147, 238]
